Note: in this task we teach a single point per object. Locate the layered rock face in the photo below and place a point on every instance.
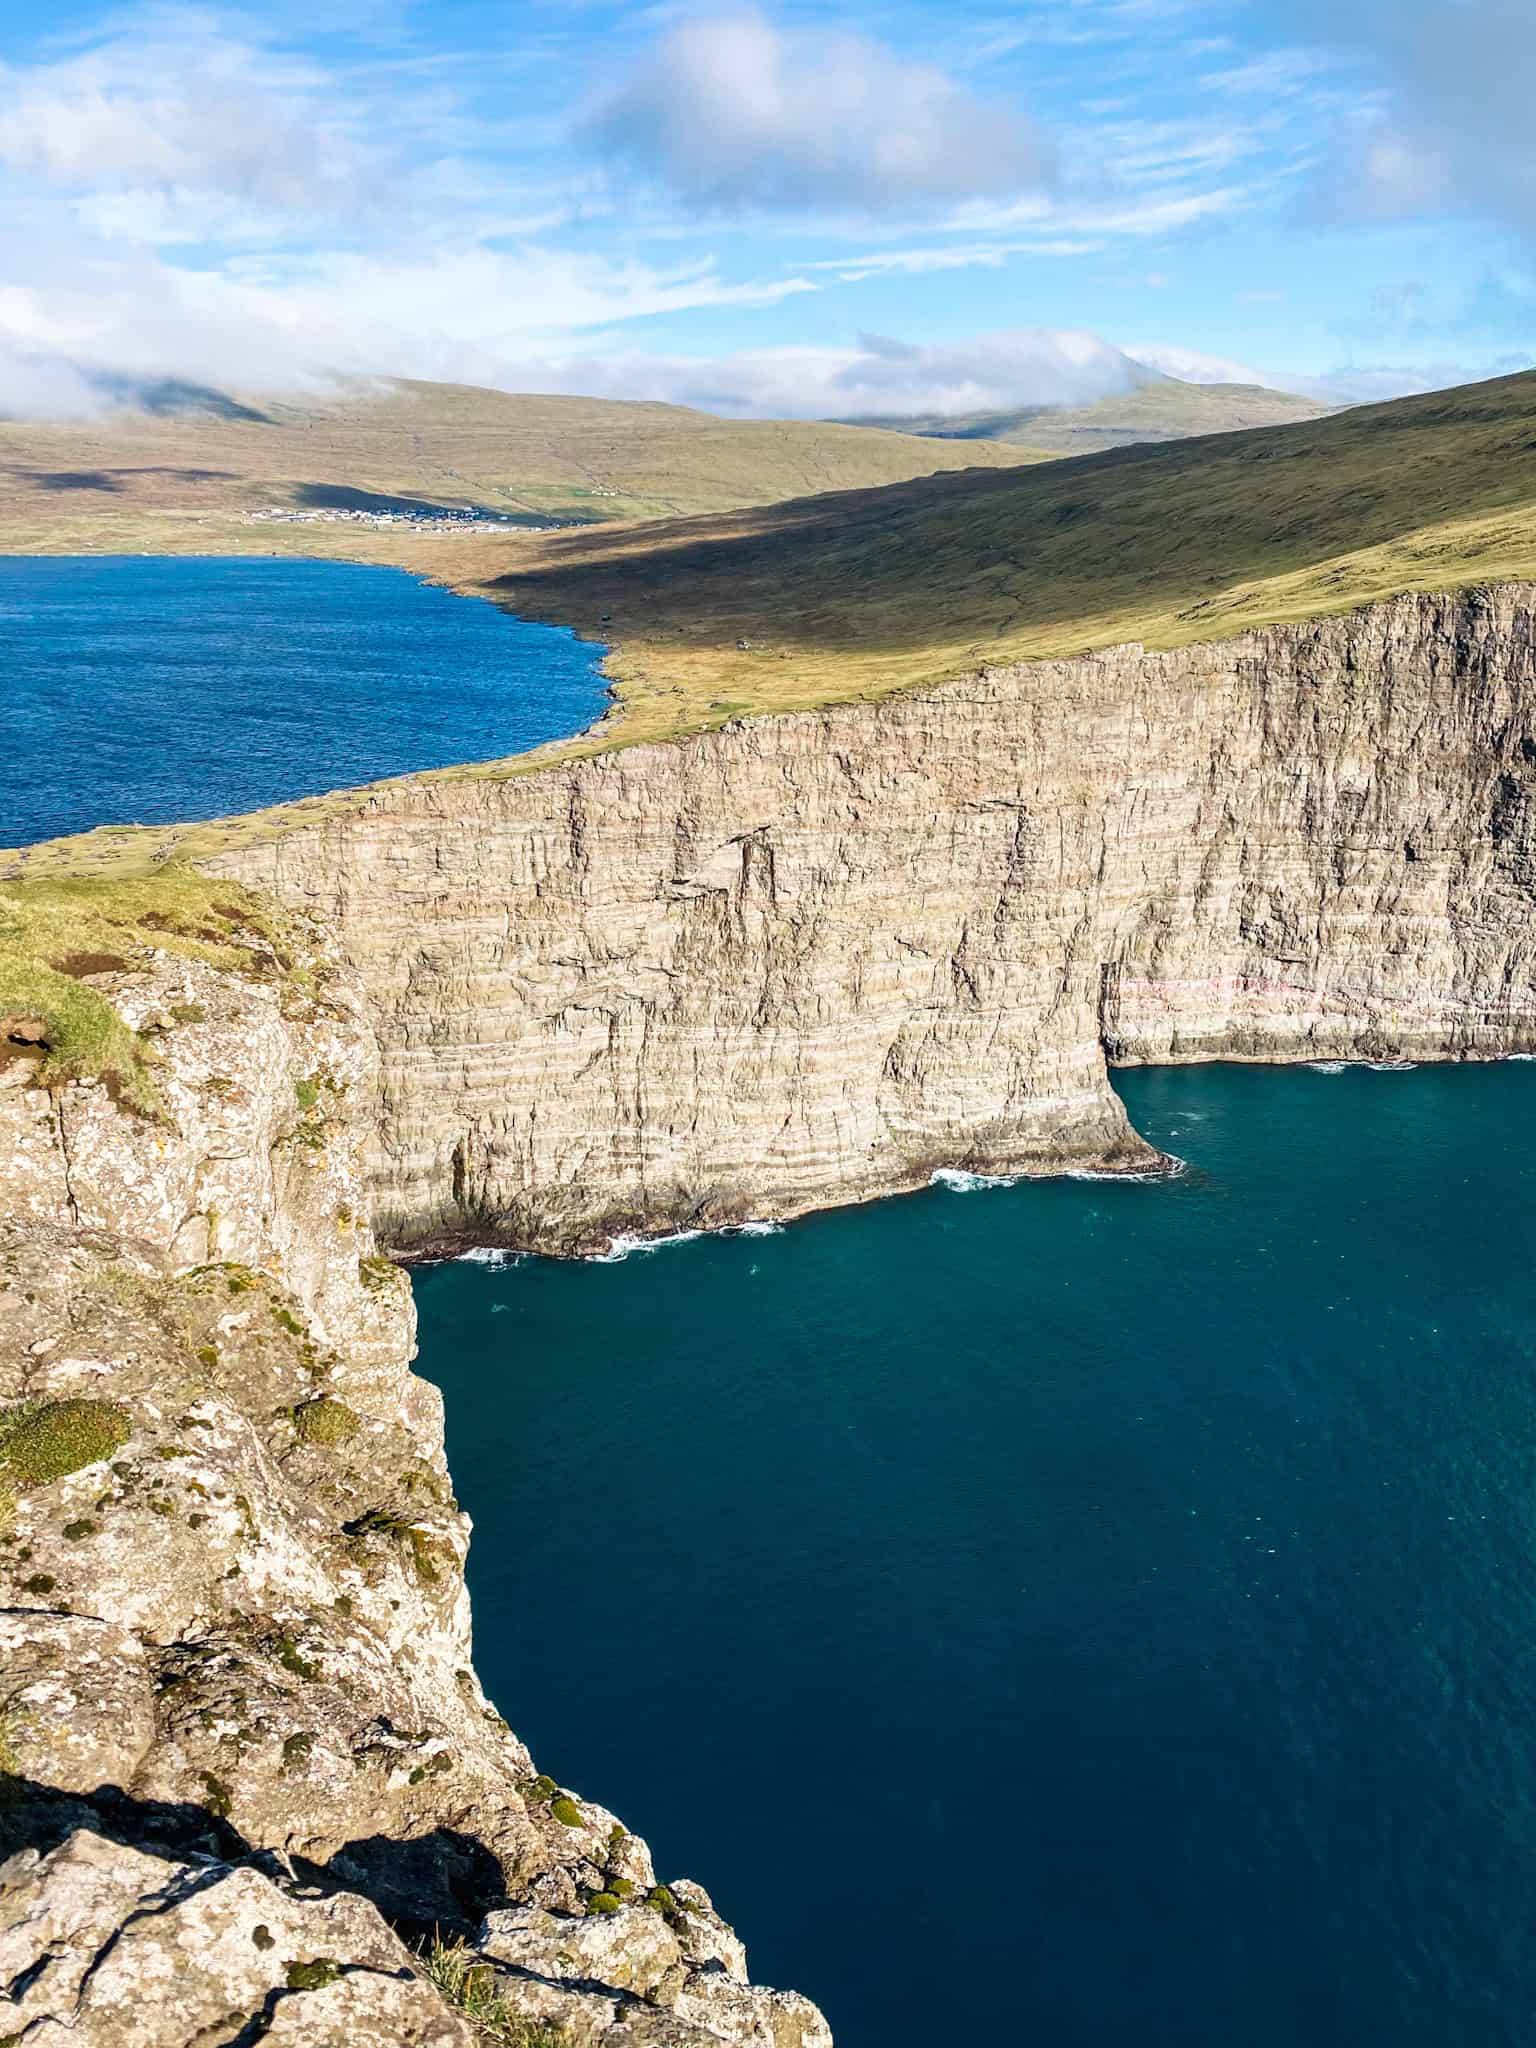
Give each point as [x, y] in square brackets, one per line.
[246, 1770]
[812, 958]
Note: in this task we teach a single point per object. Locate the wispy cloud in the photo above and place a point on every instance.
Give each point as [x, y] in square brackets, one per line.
[951, 256]
[1280, 72]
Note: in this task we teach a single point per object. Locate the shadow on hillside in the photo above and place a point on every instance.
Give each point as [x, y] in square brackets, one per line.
[1157, 530]
[109, 479]
[343, 498]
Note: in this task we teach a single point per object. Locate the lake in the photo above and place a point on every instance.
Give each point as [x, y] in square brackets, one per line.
[1075, 1613]
[156, 690]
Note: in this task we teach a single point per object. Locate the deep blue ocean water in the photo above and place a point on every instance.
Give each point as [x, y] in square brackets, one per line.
[151, 690]
[1070, 1614]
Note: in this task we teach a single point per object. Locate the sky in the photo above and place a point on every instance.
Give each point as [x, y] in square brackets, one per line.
[796, 209]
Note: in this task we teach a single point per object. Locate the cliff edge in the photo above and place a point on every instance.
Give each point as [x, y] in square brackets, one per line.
[811, 958]
[805, 959]
[252, 1786]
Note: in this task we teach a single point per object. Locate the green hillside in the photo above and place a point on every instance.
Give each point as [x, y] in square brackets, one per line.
[1162, 409]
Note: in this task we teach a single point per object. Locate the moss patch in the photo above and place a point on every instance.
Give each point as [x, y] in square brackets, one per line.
[378, 1274]
[325, 1423]
[67, 918]
[41, 1441]
[313, 1976]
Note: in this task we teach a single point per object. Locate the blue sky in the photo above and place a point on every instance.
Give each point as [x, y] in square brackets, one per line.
[798, 208]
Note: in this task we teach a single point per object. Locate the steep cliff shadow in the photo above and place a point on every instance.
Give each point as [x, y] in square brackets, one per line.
[38, 1816]
[443, 1881]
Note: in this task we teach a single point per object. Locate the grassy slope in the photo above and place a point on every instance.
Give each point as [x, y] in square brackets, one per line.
[58, 930]
[135, 481]
[864, 593]
[858, 594]
[1163, 410]
[861, 594]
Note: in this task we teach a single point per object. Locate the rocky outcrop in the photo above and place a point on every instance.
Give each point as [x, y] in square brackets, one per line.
[811, 958]
[246, 1767]
[246, 1770]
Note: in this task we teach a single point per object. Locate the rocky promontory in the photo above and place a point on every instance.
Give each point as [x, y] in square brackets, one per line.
[810, 958]
[249, 1784]
[250, 1778]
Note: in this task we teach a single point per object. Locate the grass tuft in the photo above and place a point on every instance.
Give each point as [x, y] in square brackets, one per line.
[326, 1423]
[469, 1985]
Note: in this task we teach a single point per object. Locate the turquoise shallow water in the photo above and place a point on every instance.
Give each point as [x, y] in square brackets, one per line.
[1078, 1613]
[151, 690]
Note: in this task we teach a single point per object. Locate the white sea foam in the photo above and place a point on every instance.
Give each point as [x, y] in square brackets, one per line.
[961, 1183]
[623, 1245]
[1140, 1175]
[490, 1255]
[1371, 1066]
[763, 1229]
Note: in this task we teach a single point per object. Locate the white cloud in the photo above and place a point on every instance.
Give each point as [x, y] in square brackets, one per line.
[1152, 214]
[1192, 367]
[186, 109]
[1280, 72]
[732, 112]
[881, 376]
[950, 256]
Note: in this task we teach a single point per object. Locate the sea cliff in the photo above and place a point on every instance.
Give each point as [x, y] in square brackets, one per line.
[811, 958]
[801, 960]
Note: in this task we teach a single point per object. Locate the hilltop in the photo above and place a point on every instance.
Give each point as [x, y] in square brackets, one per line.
[183, 467]
[1157, 409]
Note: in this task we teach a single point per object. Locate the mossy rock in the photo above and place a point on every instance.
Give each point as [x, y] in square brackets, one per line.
[41, 1441]
[603, 1902]
[326, 1423]
[567, 1812]
[313, 1976]
[378, 1274]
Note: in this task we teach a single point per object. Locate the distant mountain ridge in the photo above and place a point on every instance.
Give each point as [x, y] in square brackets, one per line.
[1159, 408]
[178, 450]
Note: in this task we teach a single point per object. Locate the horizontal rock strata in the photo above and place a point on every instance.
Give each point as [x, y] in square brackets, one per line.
[808, 959]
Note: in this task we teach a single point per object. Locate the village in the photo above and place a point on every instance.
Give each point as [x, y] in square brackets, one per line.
[446, 521]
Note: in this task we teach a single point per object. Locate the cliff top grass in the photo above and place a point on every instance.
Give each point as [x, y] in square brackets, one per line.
[857, 595]
[852, 596]
[58, 931]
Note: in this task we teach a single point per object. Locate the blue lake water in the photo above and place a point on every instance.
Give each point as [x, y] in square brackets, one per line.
[155, 690]
[1074, 1614]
